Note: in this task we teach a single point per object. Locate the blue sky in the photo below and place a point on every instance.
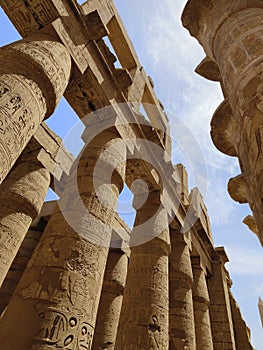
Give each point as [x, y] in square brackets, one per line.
[169, 55]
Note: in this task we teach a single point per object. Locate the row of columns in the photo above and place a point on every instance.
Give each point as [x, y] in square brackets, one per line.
[57, 298]
[165, 301]
[34, 74]
[164, 286]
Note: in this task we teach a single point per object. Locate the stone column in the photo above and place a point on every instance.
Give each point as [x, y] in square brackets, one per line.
[111, 300]
[34, 74]
[22, 195]
[242, 332]
[181, 311]
[201, 307]
[55, 304]
[220, 309]
[231, 33]
[144, 315]
[18, 266]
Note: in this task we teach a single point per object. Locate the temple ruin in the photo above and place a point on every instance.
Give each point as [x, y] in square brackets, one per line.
[73, 274]
[231, 35]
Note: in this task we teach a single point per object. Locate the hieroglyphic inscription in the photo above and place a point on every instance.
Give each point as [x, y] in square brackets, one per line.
[27, 98]
[53, 60]
[79, 52]
[17, 120]
[63, 330]
[85, 94]
[32, 15]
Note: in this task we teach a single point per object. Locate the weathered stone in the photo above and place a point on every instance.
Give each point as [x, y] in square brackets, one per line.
[241, 331]
[201, 307]
[220, 308]
[53, 290]
[62, 283]
[33, 76]
[181, 308]
[231, 34]
[111, 301]
[21, 197]
[144, 315]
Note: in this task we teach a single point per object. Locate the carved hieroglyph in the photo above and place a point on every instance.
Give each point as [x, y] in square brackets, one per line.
[34, 73]
[181, 310]
[59, 293]
[144, 315]
[231, 33]
[55, 304]
[21, 197]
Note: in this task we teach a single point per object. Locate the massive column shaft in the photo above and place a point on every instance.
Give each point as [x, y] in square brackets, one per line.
[144, 315]
[240, 58]
[21, 197]
[231, 34]
[242, 332]
[18, 266]
[220, 309]
[181, 321]
[201, 307]
[24, 255]
[56, 301]
[111, 301]
[34, 73]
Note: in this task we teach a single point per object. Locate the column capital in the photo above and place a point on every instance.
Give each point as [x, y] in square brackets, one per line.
[44, 61]
[203, 18]
[208, 69]
[198, 263]
[222, 255]
[223, 129]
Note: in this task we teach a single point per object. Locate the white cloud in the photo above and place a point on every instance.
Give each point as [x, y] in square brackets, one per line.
[246, 261]
[172, 55]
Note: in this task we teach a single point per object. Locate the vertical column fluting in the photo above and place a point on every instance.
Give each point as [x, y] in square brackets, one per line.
[231, 34]
[22, 195]
[111, 300]
[55, 304]
[34, 73]
[201, 307]
[220, 309]
[181, 311]
[144, 315]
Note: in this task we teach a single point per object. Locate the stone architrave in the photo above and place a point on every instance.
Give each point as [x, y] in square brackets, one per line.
[34, 73]
[201, 307]
[181, 310]
[56, 301]
[144, 315]
[22, 195]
